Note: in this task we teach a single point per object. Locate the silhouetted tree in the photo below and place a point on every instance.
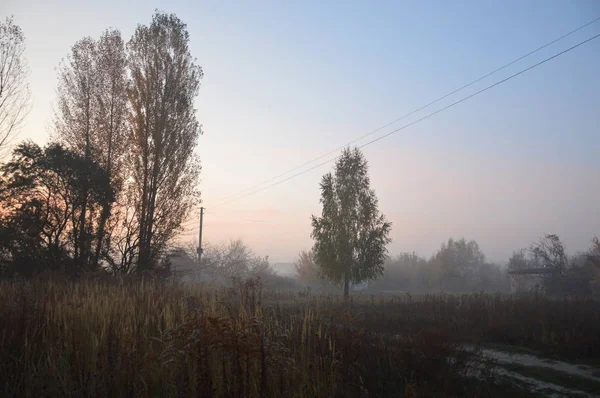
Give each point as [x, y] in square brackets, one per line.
[549, 251]
[232, 260]
[42, 198]
[351, 235]
[14, 90]
[164, 131]
[75, 121]
[120, 247]
[90, 120]
[110, 139]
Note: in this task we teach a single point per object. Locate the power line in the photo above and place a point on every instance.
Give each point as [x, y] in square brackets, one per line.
[423, 118]
[241, 193]
[188, 223]
[190, 232]
[193, 222]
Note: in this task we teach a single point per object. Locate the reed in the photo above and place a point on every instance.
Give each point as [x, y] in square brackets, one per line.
[130, 337]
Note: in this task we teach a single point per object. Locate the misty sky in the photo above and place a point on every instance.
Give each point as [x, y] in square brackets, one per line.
[286, 83]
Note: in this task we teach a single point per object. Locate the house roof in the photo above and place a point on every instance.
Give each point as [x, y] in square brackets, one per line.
[181, 261]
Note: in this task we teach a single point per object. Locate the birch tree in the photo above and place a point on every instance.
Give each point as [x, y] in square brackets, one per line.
[351, 235]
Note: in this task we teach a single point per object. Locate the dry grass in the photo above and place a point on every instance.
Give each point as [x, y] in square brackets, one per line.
[140, 338]
[563, 328]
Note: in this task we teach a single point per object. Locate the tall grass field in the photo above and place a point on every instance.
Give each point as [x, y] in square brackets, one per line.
[141, 338]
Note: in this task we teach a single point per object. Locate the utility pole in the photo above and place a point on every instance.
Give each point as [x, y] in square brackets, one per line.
[200, 250]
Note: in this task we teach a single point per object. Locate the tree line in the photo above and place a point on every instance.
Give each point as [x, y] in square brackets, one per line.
[351, 237]
[460, 266]
[111, 189]
[119, 176]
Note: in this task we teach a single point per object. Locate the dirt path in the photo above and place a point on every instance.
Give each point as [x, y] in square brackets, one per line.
[543, 376]
[540, 376]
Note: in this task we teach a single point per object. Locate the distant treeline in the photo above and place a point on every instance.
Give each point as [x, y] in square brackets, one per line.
[460, 266]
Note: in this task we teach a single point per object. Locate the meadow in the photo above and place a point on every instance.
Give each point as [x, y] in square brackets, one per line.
[131, 337]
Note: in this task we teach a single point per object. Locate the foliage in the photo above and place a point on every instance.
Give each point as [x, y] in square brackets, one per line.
[459, 258]
[90, 120]
[520, 260]
[15, 97]
[595, 249]
[461, 267]
[235, 260]
[305, 268]
[351, 235]
[409, 272]
[549, 251]
[164, 131]
[133, 104]
[571, 276]
[41, 193]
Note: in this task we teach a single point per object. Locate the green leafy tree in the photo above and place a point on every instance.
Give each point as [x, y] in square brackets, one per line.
[351, 235]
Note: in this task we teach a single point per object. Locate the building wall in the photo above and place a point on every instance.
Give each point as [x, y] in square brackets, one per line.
[520, 283]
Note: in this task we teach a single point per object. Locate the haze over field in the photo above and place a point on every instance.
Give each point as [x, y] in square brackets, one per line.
[280, 199]
[287, 83]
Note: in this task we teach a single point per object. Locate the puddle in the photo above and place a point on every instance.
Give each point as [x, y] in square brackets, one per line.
[542, 387]
[531, 360]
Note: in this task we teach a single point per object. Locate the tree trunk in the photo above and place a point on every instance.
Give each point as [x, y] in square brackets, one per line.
[100, 235]
[346, 288]
[142, 252]
[83, 238]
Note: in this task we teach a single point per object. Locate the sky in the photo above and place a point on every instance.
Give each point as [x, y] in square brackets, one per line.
[286, 82]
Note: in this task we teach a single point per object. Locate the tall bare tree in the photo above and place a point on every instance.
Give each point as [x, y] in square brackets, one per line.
[76, 106]
[91, 119]
[121, 242]
[14, 89]
[75, 122]
[110, 138]
[164, 131]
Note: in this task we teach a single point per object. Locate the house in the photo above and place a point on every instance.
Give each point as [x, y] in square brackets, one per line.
[530, 279]
[357, 287]
[183, 267]
[581, 278]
